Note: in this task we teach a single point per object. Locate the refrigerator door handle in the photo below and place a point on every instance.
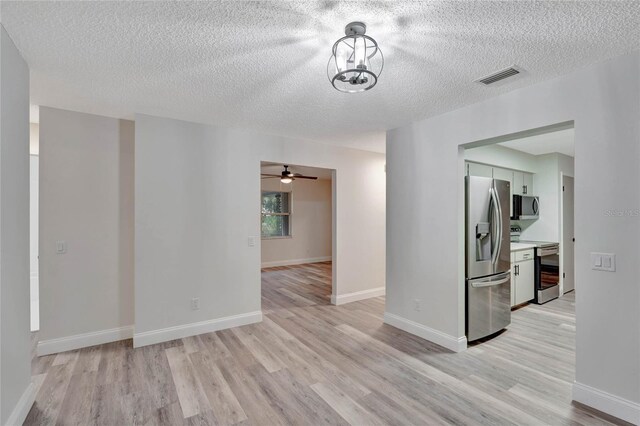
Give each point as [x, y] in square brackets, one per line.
[489, 282]
[498, 209]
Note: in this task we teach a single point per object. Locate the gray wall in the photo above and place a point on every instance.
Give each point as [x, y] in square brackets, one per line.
[15, 357]
[197, 203]
[86, 199]
[425, 212]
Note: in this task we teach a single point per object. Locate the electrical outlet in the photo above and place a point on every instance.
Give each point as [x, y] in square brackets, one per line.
[416, 305]
[195, 304]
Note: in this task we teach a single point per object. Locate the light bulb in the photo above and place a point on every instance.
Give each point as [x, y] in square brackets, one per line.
[359, 52]
[285, 180]
[341, 60]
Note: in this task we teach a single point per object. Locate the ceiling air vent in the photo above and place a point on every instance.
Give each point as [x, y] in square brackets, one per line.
[499, 75]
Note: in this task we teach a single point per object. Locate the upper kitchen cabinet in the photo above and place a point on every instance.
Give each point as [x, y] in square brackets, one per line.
[522, 183]
[475, 169]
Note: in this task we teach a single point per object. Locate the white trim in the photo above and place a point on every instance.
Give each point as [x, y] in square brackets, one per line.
[62, 344]
[193, 329]
[295, 261]
[341, 299]
[614, 405]
[23, 406]
[455, 344]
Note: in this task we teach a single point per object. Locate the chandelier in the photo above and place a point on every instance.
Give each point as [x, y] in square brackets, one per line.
[356, 61]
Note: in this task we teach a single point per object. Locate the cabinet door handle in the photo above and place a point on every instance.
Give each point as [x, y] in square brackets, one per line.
[517, 269]
[524, 189]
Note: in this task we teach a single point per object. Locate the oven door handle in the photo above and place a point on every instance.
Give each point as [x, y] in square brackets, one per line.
[547, 251]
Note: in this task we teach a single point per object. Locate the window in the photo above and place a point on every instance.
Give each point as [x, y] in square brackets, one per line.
[276, 214]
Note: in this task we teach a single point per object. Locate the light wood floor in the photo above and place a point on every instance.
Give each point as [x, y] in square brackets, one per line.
[312, 363]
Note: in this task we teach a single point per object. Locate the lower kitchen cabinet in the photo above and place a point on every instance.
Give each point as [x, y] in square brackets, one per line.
[522, 277]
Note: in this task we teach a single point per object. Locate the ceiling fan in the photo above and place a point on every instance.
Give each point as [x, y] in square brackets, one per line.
[287, 176]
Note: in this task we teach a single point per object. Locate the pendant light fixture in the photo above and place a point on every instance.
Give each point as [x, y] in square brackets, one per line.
[356, 61]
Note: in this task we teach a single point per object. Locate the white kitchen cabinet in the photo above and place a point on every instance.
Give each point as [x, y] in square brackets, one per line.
[506, 174]
[525, 285]
[513, 279]
[522, 183]
[522, 276]
[476, 169]
[527, 182]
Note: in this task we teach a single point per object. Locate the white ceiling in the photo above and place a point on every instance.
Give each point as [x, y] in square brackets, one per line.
[276, 169]
[561, 141]
[262, 65]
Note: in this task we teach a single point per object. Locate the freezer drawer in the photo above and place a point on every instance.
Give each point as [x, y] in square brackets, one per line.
[488, 305]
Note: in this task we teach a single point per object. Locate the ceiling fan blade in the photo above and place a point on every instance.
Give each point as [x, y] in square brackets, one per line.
[269, 175]
[304, 177]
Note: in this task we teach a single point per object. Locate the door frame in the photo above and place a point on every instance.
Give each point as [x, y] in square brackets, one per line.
[561, 221]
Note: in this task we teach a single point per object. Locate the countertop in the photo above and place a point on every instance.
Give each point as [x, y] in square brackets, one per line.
[521, 246]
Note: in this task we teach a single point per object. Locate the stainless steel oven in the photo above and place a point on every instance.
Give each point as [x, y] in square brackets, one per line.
[547, 269]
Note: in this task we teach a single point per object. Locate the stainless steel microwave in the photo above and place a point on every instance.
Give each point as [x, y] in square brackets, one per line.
[525, 207]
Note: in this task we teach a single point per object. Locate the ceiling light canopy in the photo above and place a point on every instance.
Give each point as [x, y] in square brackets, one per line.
[356, 61]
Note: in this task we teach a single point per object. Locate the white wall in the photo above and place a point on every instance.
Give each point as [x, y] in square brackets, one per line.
[500, 156]
[33, 239]
[425, 226]
[16, 392]
[34, 138]
[310, 224]
[86, 199]
[197, 192]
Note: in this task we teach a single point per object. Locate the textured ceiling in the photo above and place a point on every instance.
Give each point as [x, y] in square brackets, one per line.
[560, 141]
[263, 64]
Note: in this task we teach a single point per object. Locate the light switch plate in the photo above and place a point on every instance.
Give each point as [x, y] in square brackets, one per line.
[61, 247]
[603, 262]
[251, 241]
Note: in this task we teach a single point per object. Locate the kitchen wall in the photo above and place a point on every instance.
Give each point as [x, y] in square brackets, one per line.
[86, 200]
[501, 156]
[310, 239]
[198, 223]
[425, 226]
[547, 184]
[16, 391]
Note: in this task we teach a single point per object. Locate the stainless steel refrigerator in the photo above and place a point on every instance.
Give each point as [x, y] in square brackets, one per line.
[488, 257]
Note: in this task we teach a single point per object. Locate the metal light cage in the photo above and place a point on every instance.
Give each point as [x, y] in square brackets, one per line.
[356, 61]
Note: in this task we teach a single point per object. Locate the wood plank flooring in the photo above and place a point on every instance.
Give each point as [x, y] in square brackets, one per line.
[310, 362]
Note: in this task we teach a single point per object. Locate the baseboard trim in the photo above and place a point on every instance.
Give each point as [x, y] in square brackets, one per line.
[193, 329]
[23, 406]
[295, 261]
[341, 299]
[78, 341]
[602, 401]
[455, 344]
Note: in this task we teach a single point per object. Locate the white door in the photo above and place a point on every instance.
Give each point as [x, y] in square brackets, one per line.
[567, 234]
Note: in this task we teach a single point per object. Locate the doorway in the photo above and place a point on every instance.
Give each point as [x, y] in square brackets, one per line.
[538, 165]
[568, 240]
[297, 228]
